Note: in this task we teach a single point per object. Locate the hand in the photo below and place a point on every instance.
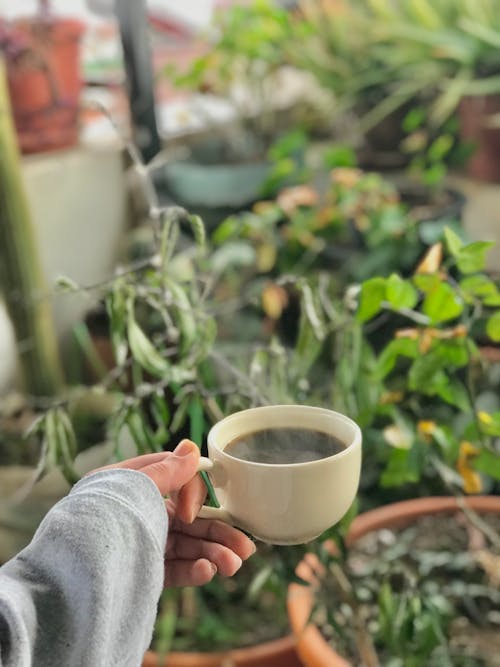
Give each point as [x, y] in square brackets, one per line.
[196, 548]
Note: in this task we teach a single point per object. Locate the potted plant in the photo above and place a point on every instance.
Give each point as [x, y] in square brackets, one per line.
[394, 592]
[42, 56]
[260, 145]
[450, 52]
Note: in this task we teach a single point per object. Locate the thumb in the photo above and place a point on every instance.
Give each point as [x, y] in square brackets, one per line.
[176, 469]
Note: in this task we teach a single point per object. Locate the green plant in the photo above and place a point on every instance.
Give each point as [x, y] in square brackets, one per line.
[423, 412]
[409, 597]
[246, 65]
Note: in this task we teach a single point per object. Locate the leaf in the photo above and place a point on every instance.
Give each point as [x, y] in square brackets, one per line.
[402, 467]
[482, 287]
[405, 347]
[400, 293]
[143, 349]
[442, 304]
[488, 462]
[472, 257]
[371, 297]
[453, 242]
[66, 284]
[432, 260]
[493, 327]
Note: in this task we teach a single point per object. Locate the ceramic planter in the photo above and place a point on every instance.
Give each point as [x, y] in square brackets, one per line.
[312, 648]
[277, 653]
[45, 85]
[475, 114]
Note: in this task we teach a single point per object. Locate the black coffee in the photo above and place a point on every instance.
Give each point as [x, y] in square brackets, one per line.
[284, 445]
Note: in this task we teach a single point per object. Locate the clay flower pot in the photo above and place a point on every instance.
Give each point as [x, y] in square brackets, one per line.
[312, 648]
[277, 653]
[45, 84]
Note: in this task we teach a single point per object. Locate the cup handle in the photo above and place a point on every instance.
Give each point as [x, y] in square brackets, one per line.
[206, 512]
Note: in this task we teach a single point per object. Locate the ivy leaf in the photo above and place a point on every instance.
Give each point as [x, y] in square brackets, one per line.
[371, 298]
[493, 327]
[442, 304]
[488, 462]
[472, 257]
[400, 293]
[453, 242]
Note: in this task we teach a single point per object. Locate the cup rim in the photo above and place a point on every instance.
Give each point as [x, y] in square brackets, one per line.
[355, 442]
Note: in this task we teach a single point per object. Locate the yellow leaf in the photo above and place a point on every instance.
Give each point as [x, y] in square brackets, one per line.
[471, 479]
[266, 257]
[346, 176]
[390, 397]
[485, 418]
[290, 199]
[413, 334]
[426, 427]
[397, 437]
[432, 260]
[274, 300]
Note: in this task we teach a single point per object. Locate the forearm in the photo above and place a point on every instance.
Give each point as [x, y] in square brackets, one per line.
[85, 591]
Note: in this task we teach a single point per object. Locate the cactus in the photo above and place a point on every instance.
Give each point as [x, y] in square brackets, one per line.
[21, 277]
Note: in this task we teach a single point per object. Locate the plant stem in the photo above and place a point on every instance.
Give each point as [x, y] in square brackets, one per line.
[20, 271]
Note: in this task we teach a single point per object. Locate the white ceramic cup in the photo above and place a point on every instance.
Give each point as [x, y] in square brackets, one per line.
[283, 503]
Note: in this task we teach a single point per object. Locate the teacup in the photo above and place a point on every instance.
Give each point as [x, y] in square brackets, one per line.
[283, 504]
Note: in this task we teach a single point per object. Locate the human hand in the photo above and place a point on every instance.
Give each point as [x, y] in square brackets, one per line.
[196, 548]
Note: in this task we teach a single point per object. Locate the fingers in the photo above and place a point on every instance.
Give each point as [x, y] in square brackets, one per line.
[175, 469]
[189, 573]
[185, 548]
[190, 499]
[214, 531]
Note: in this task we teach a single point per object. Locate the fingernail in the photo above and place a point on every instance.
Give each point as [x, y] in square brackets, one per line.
[184, 448]
[213, 567]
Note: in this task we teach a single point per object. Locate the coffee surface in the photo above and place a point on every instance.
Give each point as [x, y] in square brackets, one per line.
[284, 445]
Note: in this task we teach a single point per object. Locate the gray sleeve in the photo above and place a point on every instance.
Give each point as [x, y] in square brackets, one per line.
[84, 592]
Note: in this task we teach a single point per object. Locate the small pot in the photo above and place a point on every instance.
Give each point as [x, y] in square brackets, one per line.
[313, 649]
[45, 84]
[277, 653]
[475, 128]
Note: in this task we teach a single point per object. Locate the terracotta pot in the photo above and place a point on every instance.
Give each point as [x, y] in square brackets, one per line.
[45, 84]
[277, 653]
[312, 648]
[474, 115]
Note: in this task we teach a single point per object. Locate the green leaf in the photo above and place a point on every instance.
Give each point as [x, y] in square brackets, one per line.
[405, 347]
[454, 393]
[143, 350]
[493, 327]
[442, 304]
[423, 372]
[371, 298]
[482, 287]
[453, 242]
[472, 257]
[400, 293]
[426, 283]
[403, 467]
[453, 352]
[488, 462]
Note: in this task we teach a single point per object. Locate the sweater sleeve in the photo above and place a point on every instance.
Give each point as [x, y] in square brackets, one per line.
[85, 591]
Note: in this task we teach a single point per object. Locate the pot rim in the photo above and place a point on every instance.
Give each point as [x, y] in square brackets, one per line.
[250, 656]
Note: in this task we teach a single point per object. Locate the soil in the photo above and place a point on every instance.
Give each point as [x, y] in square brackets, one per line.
[444, 564]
